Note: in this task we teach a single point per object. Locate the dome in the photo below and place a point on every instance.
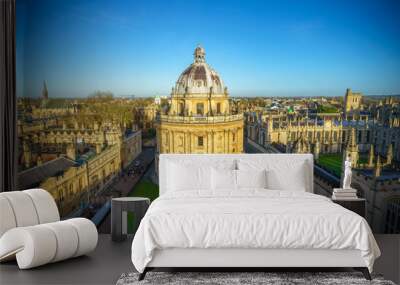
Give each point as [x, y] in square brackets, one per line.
[199, 78]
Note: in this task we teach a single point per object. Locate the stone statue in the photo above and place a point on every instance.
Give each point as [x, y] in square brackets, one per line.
[347, 174]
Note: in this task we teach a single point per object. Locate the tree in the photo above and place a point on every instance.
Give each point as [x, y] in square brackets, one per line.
[101, 95]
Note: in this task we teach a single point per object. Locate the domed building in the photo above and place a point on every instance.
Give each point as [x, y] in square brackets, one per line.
[198, 118]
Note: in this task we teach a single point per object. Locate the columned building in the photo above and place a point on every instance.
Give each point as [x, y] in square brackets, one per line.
[199, 118]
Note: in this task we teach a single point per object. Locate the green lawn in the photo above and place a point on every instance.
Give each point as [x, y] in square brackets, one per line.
[145, 188]
[332, 162]
[363, 159]
[327, 109]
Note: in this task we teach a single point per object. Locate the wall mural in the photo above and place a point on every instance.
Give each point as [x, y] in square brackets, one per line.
[85, 144]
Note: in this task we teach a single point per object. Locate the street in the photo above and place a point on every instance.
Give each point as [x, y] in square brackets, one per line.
[129, 178]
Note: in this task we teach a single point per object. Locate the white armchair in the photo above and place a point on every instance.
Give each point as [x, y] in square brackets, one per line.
[31, 230]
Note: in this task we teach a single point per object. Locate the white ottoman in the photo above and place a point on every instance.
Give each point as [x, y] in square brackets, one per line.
[32, 243]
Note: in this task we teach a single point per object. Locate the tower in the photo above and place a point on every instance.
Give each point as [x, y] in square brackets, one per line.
[352, 101]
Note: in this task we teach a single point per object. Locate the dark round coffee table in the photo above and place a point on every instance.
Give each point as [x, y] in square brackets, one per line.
[119, 208]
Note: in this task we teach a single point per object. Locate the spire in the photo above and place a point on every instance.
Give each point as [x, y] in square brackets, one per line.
[317, 150]
[45, 92]
[352, 142]
[378, 167]
[371, 156]
[199, 54]
[389, 155]
[352, 148]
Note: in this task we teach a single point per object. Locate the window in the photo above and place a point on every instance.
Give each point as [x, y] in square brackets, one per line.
[200, 141]
[199, 108]
[218, 108]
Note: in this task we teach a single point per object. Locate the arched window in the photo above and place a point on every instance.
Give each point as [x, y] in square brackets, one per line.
[199, 108]
[181, 109]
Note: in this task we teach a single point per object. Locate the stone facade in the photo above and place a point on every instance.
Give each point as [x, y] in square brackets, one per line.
[131, 148]
[326, 133]
[78, 183]
[368, 133]
[381, 189]
[68, 188]
[322, 134]
[87, 154]
[62, 139]
[144, 117]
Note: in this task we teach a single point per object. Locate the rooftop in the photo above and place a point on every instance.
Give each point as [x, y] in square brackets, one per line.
[130, 133]
[34, 176]
[386, 174]
[86, 156]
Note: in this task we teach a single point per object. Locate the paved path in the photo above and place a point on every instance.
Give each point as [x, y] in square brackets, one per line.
[126, 184]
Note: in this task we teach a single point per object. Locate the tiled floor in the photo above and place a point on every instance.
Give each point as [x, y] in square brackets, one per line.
[110, 260]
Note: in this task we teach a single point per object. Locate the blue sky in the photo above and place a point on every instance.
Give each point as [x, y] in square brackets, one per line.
[260, 48]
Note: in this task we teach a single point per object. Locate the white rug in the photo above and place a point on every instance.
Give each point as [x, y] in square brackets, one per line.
[236, 278]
